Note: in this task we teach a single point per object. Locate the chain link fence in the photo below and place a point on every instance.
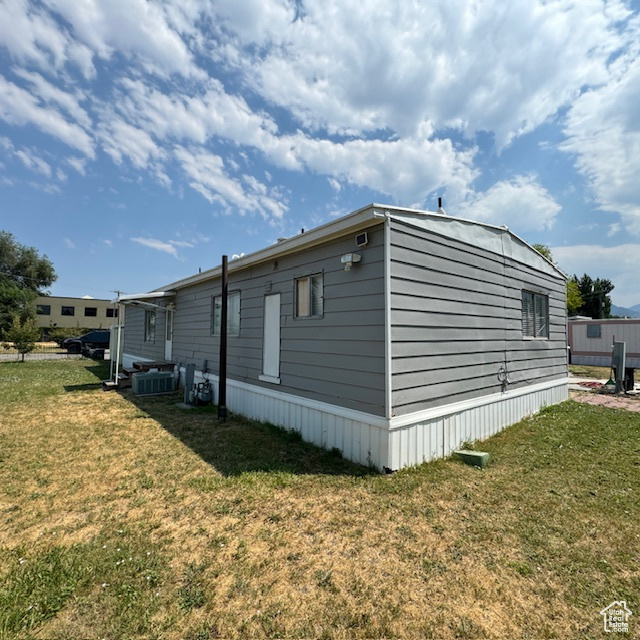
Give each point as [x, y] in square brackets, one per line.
[43, 351]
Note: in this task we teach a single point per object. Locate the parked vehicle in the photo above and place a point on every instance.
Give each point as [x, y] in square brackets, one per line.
[98, 339]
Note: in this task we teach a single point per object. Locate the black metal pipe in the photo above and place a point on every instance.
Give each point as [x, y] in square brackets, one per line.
[222, 383]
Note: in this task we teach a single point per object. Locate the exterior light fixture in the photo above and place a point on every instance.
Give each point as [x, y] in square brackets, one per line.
[349, 259]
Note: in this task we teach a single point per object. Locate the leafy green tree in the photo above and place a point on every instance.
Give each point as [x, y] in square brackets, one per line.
[22, 336]
[545, 251]
[574, 299]
[24, 275]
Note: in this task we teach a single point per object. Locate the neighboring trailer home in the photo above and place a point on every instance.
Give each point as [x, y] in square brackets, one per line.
[393, 335]
[591, 341]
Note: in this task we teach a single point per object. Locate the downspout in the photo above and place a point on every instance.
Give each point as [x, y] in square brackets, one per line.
[503, 372]
[388, 378]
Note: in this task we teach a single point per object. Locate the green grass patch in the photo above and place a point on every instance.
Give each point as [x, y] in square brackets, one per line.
[127, 517]
[586, 371]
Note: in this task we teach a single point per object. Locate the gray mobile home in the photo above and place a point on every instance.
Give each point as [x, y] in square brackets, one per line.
[392, 334]
[591, 341]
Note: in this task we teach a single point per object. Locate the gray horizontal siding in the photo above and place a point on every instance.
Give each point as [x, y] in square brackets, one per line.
[134, 342]
[318, 355]
[456, 320]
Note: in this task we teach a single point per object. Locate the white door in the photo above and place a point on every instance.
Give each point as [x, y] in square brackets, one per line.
[168, 337]
[271, 339]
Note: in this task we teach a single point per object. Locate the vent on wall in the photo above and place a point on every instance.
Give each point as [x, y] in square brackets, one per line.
[152, 382]
[362, 239]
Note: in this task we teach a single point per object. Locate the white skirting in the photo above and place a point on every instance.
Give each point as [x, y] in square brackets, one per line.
[392, 443]
[432, 434]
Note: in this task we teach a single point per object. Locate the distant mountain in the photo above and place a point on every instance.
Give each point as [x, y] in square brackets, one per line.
[632, 312]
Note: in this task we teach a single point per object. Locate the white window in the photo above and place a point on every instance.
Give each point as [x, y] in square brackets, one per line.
[309, 296]
[535, 315]
[149, 326]
[233, 314]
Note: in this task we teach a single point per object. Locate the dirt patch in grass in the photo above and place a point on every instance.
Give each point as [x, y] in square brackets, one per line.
[154, 522]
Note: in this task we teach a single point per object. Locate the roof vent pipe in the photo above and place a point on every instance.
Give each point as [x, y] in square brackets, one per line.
[440, 209]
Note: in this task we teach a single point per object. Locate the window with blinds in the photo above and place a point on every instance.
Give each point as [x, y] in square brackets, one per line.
[233, 314]
[535, 315]
[309, 296]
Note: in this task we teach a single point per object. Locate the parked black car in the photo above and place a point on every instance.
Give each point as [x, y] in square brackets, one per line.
[98, 339]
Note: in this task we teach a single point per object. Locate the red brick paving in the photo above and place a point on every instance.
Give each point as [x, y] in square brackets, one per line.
[612, 401]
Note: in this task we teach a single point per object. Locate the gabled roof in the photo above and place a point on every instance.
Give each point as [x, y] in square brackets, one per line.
[375, 214]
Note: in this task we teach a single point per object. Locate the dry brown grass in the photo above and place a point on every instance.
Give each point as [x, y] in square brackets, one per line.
[256, 534]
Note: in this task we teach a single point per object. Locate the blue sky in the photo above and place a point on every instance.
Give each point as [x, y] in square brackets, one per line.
[140, 140]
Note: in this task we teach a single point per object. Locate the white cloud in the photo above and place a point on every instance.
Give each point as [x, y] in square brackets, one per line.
[603, 135]
[69, 244]
[620, 264]
[521, 203]
[31, 35]
[49, 94]
[475, 66]
[360, 93]
[19, 107]
[122, 140]
[208, 177]
[134, 27]
[79, 164]
[158, 245]
[33, 162]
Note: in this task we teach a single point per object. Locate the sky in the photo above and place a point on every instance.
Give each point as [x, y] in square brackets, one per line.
[141, 140]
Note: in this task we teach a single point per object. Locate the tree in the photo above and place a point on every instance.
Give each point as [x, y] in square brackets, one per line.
[574, 299]
[544, 250]
[595, 296]
[24, 275]
[22, 336]
[585, 296]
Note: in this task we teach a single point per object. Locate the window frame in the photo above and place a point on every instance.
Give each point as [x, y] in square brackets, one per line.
[594, 328]
[111, 312]
[532, 315]
[67, 310]
[304, 309]
[91, 312]
[233, 314]
[150, 322]
[43, 309]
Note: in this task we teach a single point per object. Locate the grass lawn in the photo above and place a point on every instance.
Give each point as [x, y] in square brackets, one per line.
[130, 518]
[587, 371]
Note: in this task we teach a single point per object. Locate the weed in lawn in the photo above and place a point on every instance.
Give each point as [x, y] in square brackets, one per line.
[120, 573]
[191, 594]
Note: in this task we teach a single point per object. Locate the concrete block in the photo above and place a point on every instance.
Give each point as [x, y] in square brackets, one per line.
[473, 458]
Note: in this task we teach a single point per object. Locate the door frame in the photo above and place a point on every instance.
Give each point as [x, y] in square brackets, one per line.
[271, 339]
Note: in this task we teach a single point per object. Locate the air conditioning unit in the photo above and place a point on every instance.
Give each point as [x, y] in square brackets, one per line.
[153, 382]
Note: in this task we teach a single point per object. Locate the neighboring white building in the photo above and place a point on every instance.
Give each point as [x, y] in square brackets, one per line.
[591, 341]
